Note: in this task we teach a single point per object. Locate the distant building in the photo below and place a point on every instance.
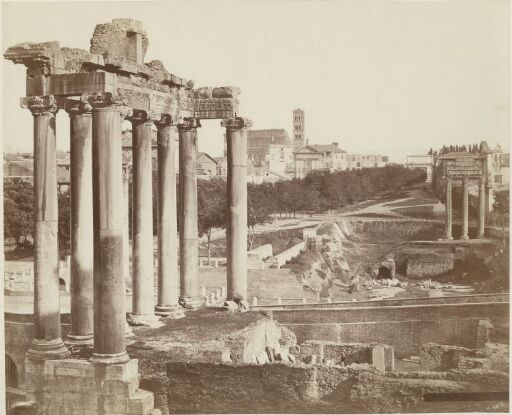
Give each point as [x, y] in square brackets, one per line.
[318, 157]
[299, 129]
[364, 161]
[23, 168]
[424, 162]
[329, 157]
[269, 155]
[206, 166]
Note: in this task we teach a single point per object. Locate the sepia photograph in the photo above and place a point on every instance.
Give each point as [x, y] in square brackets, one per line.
[255, 207]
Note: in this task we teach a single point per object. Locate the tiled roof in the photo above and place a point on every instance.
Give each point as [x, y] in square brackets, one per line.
[326, 148]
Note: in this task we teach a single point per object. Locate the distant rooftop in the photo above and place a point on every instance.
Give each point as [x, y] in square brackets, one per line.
[260, 138]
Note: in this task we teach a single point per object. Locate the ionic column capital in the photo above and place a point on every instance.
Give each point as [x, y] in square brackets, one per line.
[78, 107]
[40, 105]
[236, 123]
[138, 117]
[108, 100]
[165, 120]
[189, 124]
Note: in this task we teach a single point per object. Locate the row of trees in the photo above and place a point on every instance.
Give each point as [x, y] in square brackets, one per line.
[318, 192]
[19, 214]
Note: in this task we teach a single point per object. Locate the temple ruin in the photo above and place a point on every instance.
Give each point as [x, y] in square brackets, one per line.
[463, 169]
[99, 89]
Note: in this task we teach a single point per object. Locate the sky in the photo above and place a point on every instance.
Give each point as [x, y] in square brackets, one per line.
[379, 77]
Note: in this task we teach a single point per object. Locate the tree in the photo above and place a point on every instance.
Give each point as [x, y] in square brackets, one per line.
[211, 199]
[64, 222]
[18, 210]
[259, 208]
[501, 210]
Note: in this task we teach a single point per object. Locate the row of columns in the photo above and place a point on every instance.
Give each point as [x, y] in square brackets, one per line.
[465, 208]
[99, 202]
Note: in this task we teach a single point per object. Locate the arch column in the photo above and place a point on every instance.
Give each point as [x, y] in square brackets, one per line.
[448, 221]
[47, 342]
[465, 217]
[109, 303]
[236, 232]
[189, 276]
[142, 232]
[168, 277]
[82, 258]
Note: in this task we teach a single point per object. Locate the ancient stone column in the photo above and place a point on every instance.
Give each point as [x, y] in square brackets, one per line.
[448, 223]
[189, 276]
[236, 231]
[109, 307]
[481, 208]
[464, 209]
[82, 258]
[126, 227]
[143, 304]
[168, 278]
[47, 342]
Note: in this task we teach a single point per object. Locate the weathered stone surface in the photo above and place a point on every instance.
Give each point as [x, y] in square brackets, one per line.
[116, 40]
[429, 265]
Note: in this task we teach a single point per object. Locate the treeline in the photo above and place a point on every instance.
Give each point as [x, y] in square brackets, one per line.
[318, 192]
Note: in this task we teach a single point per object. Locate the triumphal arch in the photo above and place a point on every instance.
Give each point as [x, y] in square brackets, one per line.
[99, 89]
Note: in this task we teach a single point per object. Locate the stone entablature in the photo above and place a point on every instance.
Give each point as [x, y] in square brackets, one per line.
[115, 66]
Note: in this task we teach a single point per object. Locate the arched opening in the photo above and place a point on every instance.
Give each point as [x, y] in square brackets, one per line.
[384, 273]
[62, 284]
[11, 372]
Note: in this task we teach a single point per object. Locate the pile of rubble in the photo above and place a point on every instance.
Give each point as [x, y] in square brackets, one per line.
[429, 284]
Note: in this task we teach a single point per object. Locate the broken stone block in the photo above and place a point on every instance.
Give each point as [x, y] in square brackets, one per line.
[120, 40]
[243, 305]
[262, 358]
[230, 306]
[225, 92]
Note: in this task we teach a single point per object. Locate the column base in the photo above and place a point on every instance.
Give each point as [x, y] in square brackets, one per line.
[172, 311]
[47, 349]
[191, 302]
[464, 238]
[480, 236]
[448, 238]
[109, 359]
[80, 345]
[144, 320]
[79, 340]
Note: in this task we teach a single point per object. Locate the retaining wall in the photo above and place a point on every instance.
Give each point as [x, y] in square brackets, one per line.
[403, 327]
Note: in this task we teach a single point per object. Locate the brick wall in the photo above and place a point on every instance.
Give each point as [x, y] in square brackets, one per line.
[403, 327]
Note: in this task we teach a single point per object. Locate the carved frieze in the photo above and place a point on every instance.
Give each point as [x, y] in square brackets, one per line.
[215, 108]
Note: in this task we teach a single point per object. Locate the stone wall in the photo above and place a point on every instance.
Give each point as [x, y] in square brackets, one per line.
[405, 328]
[344, 354]
[429, 265]
[290, 253]
[396, 230]
[301, 388]
[79, 387]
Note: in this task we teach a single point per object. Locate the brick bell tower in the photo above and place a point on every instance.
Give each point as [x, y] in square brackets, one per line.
[298, 129]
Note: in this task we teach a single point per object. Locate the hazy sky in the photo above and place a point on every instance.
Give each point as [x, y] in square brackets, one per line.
[384, 77]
